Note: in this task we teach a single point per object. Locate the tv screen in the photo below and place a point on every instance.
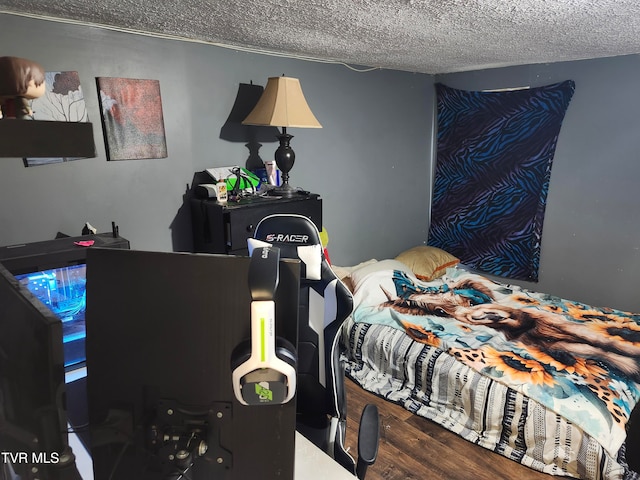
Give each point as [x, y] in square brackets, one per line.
[63, 291]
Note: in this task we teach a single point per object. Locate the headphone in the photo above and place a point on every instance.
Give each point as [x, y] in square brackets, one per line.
[264, 366]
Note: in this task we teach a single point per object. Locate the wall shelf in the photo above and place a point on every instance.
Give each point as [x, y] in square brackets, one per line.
[39, 138]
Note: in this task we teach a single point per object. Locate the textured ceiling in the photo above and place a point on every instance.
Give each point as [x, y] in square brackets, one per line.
[428, 36]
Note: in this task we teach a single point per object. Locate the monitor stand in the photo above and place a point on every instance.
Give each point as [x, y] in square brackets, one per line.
[161, 328]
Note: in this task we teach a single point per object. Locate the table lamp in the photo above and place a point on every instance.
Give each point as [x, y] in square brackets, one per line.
[282, 104]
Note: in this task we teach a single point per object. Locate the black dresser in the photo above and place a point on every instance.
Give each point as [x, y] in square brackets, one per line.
[225, 228]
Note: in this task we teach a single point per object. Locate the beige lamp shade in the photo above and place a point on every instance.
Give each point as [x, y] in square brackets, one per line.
[282, 104]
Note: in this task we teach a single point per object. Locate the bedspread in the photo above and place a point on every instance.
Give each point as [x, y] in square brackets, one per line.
[501, 366]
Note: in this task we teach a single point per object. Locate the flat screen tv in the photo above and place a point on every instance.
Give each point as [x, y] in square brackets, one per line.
[33, 426]
[161, 329]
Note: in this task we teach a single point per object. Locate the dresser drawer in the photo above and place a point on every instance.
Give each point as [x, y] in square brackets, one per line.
[225, 228]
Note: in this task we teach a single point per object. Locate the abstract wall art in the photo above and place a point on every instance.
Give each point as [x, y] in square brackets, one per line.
[132, 118]
[494, 157]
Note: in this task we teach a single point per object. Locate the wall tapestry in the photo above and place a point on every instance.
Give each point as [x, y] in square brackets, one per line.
[132, 118]
[494, 156]
[63, 101]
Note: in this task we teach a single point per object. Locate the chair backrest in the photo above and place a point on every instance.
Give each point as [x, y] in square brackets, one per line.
[325, 303]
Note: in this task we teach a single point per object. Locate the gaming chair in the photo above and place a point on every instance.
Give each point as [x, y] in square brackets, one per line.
[325, 303]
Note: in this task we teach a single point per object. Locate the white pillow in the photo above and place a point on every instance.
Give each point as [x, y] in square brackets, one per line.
[371, 281]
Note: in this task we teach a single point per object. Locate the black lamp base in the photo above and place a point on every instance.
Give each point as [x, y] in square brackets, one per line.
[284, 190]
[285, 158]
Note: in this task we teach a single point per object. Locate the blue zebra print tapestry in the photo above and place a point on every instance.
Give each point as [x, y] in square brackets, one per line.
[494, 156]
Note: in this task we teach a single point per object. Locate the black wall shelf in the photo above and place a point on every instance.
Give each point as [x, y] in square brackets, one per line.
[38, 139]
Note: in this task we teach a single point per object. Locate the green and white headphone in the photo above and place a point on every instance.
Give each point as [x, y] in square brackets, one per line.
[264, 367]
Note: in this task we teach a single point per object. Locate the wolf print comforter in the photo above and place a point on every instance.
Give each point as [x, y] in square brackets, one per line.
[544, 381]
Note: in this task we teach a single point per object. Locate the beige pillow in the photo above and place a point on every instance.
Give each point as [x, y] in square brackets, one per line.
[427, 263]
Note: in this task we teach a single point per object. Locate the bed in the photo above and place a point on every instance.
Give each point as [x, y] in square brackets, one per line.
[544, 381]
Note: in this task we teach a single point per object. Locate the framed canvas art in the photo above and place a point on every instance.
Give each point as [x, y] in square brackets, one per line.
[132, 119]
[63, 101]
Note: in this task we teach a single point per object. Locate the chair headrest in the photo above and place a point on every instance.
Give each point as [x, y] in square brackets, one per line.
[296, 236]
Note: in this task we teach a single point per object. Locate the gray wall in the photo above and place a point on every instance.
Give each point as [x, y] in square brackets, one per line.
[591, 235]
[370, 162]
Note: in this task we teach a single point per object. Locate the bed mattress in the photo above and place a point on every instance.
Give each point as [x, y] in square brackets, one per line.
[427, 347]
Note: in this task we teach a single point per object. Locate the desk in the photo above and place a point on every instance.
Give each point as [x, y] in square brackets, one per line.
[311, 462]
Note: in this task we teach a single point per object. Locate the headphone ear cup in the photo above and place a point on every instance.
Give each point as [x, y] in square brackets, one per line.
[241, 354]
[286, 352]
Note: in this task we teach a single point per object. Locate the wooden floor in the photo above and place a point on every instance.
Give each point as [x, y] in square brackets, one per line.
[412, 447]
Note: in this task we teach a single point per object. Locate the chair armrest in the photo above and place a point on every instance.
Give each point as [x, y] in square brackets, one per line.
[368, 439]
